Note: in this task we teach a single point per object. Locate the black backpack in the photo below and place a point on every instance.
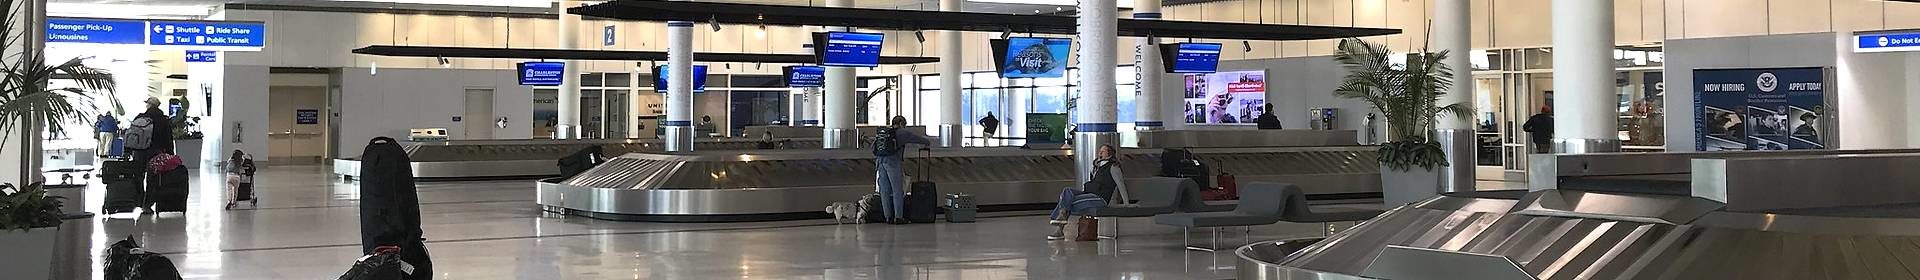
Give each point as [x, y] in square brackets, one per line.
[381, 265]
[126, 261]
[884, 143]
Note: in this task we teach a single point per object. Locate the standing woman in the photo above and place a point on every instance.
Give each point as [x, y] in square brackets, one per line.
[1096, 193]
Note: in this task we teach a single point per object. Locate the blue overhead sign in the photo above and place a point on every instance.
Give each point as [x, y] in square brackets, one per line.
[852, 49]
[1887, 42]
[803, 76]
[207, 34]
[202, 56]
[540, 73]
[95, 31]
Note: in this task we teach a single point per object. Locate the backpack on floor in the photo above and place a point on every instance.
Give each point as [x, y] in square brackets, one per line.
[139, 135]
[383, 264]
[871, 203]
[127, 261]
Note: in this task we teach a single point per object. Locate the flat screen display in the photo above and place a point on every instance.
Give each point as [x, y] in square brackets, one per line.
[806, 76]
[1191, 57]
[849, 49]
[1225, 97]
[542, 73]
[1028, 57]
[699, 78]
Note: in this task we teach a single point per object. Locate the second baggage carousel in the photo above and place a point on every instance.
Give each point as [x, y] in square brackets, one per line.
[712, 186]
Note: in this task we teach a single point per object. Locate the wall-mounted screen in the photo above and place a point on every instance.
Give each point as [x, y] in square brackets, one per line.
[1028, 57]
[1225, 97]
[1191, 57]
[542, 73]
[699, 78]
[804, 76]
[849, 49]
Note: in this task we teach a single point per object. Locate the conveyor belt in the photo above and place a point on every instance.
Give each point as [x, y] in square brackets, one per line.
[762, 185]
[486, 159]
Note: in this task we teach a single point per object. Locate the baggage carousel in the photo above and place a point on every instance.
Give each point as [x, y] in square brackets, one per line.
[713, 186]
[531, 158]
[1745, 215]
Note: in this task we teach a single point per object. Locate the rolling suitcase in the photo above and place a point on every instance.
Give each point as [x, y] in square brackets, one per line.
[124, 189]
[169, 192]
[390, 205]
[923, 197]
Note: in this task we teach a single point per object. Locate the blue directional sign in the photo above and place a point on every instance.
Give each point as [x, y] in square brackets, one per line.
[207, 33]
[202, 56]
[606, 36]
[542, 73]
[95, 31]
[1887, 42]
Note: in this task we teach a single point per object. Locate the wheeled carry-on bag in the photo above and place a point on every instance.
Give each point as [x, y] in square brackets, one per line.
[169, 193]
[390, 206]
[923, 199]
[124, 189]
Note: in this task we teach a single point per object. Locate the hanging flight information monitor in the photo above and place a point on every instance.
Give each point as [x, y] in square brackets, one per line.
[542, 73]
[848, 49]
[699, 78]
[804, 76]
[1191, 57]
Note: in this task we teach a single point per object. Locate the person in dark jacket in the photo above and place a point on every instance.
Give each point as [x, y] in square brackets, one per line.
[989, 125]
[888, 173]
[1267, 120]
[162, 138]
[1096, 193]
[1540, 126]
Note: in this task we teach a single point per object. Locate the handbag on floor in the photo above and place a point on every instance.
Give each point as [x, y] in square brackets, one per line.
[1086, 229]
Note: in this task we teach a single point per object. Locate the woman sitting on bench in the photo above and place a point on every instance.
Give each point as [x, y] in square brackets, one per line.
[1094, 194]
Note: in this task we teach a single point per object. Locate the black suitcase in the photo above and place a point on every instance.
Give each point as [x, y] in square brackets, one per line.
[390, 205]
[124, 189]
[923, 203]
[168, 193]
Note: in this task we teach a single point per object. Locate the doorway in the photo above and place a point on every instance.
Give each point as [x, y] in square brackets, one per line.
[478, 119]
[296, 132]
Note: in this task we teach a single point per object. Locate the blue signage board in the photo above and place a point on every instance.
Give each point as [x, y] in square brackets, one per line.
[202, 56]
[207, 33]
[95, 31]
[607, 36]
[1887, 42]
[1028, 57]
[852, 49]
[1759, 109]
[306, 116]
[542, 73]
[699, 78]
[806, 76]
[1191, 57]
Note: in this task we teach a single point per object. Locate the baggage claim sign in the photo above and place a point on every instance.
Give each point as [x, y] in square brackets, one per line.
[1759, 109]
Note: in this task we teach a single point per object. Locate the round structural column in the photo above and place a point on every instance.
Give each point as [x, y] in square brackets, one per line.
[1150, 72]
[568, 126]
[952, 126]
[840, 130]
[679, 122]
[1095, 111]
[1452, 33]
[1584, 104]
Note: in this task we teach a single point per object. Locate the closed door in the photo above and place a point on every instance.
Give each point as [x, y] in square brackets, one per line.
[478, 119]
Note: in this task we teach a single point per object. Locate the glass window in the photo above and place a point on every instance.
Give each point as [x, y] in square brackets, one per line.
[591, 79]
[985, 80]
[618, 79]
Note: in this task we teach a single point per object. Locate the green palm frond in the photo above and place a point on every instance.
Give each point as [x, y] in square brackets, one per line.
[1407, 95]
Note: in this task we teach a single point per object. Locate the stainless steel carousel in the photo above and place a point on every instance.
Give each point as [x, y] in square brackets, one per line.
[483, 159]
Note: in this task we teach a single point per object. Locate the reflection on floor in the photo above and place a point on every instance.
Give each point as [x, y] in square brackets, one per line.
[306, 227]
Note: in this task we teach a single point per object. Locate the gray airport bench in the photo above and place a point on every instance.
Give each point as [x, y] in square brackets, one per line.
[1159, 195]
[1260, 204]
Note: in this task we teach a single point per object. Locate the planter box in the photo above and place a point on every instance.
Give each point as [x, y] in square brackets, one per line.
[1409, 186]
[189, 151]
[29, 254]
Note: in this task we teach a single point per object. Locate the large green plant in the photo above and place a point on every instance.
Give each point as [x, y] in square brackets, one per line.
[1407, 94]
[28, 207]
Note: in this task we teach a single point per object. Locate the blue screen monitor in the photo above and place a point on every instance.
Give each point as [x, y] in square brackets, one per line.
[542, 73]
[848, 49]
[1027, 57]
[1191, 57]
[806, 76]
[699, 78]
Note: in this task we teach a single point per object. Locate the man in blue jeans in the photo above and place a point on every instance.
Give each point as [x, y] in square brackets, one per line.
[888, 146]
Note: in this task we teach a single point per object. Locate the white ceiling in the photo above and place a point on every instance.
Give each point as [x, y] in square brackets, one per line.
[171, 8]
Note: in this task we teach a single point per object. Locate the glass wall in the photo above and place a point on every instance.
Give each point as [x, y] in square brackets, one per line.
[1515, 84]
[1011, 99]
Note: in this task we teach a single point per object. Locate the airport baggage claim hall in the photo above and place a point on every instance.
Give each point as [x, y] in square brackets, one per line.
[960, 139]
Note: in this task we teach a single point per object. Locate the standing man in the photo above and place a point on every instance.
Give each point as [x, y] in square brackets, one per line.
[1267, 120]
[1540, 126]
[159, 129]
[888, 149]
[989, 125]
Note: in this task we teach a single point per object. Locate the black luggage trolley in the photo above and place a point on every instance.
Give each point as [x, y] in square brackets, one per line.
[240, 172]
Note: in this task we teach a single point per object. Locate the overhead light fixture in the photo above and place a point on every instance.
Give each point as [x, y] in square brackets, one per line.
[1247, 45]
[1006, 34]
[373, 68]
[715, 22]
[920, 35]
[444, 63]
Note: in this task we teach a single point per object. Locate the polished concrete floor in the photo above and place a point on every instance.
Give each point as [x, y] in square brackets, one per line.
[306, 227]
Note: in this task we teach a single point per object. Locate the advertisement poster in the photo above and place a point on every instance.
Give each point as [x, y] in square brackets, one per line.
[1758, 109]
[1046, 128]
[1035, 57]
[1225, 97]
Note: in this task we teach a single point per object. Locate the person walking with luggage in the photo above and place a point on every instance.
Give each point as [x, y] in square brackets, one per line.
[1096, 193]
[154, 129]
[888, 149]
[1540, 126]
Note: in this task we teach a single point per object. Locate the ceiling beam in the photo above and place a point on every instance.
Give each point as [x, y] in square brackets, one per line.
[558, 54]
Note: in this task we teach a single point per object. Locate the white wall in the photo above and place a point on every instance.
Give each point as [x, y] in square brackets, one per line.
[397, 100]
[242, 98]
[1295, 85]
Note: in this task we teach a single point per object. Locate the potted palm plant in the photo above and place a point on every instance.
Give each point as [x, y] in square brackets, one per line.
[29, 104]
[1407, 95]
